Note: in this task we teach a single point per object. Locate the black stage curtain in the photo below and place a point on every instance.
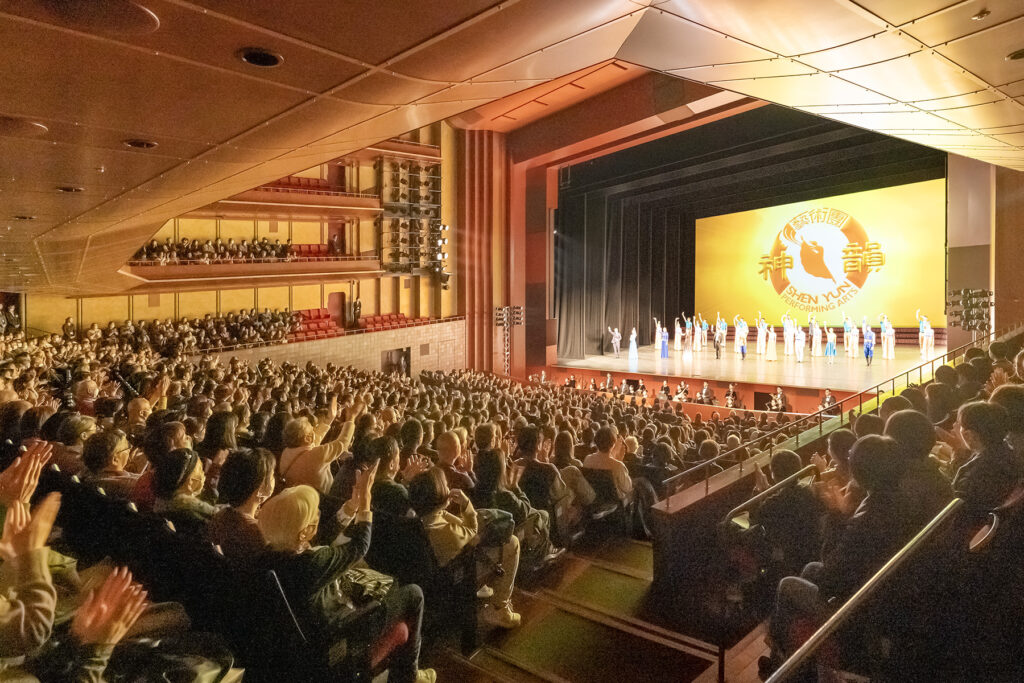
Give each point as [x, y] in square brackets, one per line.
[635, 263]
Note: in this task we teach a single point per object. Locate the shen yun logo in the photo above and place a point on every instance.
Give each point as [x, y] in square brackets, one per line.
[820, 260]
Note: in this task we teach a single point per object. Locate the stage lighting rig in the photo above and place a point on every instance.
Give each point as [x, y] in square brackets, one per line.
[507, 317]
[970, 309]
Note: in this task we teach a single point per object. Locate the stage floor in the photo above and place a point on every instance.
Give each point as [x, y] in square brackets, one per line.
[845, 374]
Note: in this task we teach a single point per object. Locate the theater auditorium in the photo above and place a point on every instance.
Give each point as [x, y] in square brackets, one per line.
[519, 341]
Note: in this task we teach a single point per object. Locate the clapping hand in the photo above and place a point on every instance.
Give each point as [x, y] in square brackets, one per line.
[25, 532]
[18, 482]
[819, 461]
[107, 614]
[361, 491]
[417, 465]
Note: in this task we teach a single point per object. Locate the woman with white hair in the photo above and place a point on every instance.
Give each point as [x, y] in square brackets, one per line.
[310, 574]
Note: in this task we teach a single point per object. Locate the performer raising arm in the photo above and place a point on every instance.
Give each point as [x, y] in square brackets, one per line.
[616, 340]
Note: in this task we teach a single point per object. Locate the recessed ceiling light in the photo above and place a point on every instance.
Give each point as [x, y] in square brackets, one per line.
[70, 189]
[17, 127]
[23, 217]
[261, 57]
[139, 143]
[1015, 55]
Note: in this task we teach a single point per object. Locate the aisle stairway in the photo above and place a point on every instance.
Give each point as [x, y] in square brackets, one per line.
[586, 620]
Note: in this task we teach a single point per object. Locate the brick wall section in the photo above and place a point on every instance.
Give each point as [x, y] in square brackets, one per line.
[446, 340]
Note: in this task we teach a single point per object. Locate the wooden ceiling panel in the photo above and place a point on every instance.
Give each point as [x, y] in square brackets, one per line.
[957, 20]
[667, 43]
[984, 53]
[368, 30]
[71, 80]
[515, 30]
[779, 25]
[800, 91]
[762, 68]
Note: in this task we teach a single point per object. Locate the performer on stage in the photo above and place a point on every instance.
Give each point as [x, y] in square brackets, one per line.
[925, 335]
[854, 339]
[696, 321]
[799, 342]
[890, 339]
[847, 326]
[770, 352]
[742, 332]
[815, 329]
[869, 343]
[634, 356]
[678, 344]
[788, 332]
[719, 340]
[664, 342]
[704, 333]
[616, 340]
[657, 335]
[738, 325]
[762, 333]
[691, 336]
[830, 345]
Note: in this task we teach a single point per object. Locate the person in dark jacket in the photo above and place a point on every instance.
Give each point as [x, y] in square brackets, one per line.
[875, 532]
[791, 517]
[309, 574]
[994, 469]
[923, 487]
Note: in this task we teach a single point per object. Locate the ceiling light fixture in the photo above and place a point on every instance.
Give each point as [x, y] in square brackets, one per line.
[104, 17]
[70, 189]
[261, 57]
[1015, 55]
[980, 15]
[139, 143]
[23, 217]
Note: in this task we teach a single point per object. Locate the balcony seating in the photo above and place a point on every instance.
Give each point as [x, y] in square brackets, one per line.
[390, 321]
[297, 183]
[316, 323]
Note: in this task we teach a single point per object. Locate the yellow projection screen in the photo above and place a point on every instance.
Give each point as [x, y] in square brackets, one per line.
[865, 254]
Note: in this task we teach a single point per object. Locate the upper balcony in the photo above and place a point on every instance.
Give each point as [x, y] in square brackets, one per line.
[301, 269]
[294, 199]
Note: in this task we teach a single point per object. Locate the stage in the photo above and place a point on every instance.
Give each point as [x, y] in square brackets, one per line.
[844, 375]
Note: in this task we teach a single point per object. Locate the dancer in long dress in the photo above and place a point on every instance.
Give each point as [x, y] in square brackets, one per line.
[762, 333]
[886, 335]
[737, 323]
[634, 355]
[664, 342]
[657, 336]
[770, 352]
[854, 340]
[869, 343]
[697, 333]
[925, 335]
[678, 344]
[815, 329]
[830, 346]
[742, 332]
[616, 340]
[799, 342]
[704, 332]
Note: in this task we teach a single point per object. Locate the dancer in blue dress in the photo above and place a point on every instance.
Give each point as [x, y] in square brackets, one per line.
[830, 345]
[664, 342]
[634, 356]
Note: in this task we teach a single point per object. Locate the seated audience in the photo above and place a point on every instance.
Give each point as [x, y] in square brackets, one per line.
[994, 469]
[105, 457]
[310, 574]
[246, 482]
[450, 533]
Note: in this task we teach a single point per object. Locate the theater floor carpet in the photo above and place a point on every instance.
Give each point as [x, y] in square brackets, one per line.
[845, 374]
[586, 620]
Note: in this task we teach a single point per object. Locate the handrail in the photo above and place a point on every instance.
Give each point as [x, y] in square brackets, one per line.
[743, 507]
[838, 409]
[797, 659]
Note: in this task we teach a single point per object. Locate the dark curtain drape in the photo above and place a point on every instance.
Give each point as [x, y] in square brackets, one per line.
[620, 263]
